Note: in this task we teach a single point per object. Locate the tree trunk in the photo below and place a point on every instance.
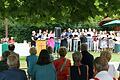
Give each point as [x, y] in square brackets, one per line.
[6, 27]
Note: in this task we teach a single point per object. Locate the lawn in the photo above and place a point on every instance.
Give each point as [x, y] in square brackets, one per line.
[115, 58]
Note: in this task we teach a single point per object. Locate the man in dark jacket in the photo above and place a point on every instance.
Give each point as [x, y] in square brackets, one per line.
[87, 59]
[83, 38]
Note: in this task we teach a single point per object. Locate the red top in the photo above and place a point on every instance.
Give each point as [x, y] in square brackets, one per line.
[62, 75]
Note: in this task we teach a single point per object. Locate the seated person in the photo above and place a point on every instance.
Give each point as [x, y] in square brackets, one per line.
[78, 71]
[13, 73]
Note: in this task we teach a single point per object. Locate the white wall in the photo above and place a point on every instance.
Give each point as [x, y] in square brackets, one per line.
[22, 49]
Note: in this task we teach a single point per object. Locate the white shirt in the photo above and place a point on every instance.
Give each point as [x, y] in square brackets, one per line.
[75, 33]
[90, 33]
[103, 75]
[112, 71]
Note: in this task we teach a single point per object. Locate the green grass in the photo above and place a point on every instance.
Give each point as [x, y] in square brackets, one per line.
[23, 63]
[115, 58]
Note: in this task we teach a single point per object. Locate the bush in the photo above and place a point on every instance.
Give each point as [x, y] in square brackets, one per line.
[21, 32]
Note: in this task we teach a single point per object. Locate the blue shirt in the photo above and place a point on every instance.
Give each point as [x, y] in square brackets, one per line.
[31, 61]
[44, 72]
[68, 34]
[13, 74]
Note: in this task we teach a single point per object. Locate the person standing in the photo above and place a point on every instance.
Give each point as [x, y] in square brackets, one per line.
[110, 41]
[50, 51]
[119, 71]
[13, 73]
[51, 42]
[87, 59]
[103, 41]
[95, 41]
[83, 38]
[64, 39]
[69, 39]
[78, 71]
[75, 40]
[62, 65]
[11, 48]
[89, 39]
[3, 63]
[111, 68]
[34, 38]
[39, 34]
[51, 34]
[31, 61]
[44, 69]
[101, 69]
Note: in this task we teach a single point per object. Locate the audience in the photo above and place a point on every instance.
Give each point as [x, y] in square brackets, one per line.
[3, 62]
[13, 73]
[78, 71]
[101, 69]
[87, 59]
[31, 60]
[111, 68]
[62, 65]
[44, 69]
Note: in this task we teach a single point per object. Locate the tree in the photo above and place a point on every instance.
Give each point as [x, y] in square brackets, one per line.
[108, 7]
[41, 12]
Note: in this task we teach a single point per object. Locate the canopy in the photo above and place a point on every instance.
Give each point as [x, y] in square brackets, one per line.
[105, 20]
[112, 23]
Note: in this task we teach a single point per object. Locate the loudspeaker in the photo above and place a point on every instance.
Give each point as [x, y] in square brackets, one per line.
[57, 32]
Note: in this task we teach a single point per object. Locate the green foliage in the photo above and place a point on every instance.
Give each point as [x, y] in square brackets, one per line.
[21, 32]
[108, 7]
[27, 15]
[44, 10]
[57, 11]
